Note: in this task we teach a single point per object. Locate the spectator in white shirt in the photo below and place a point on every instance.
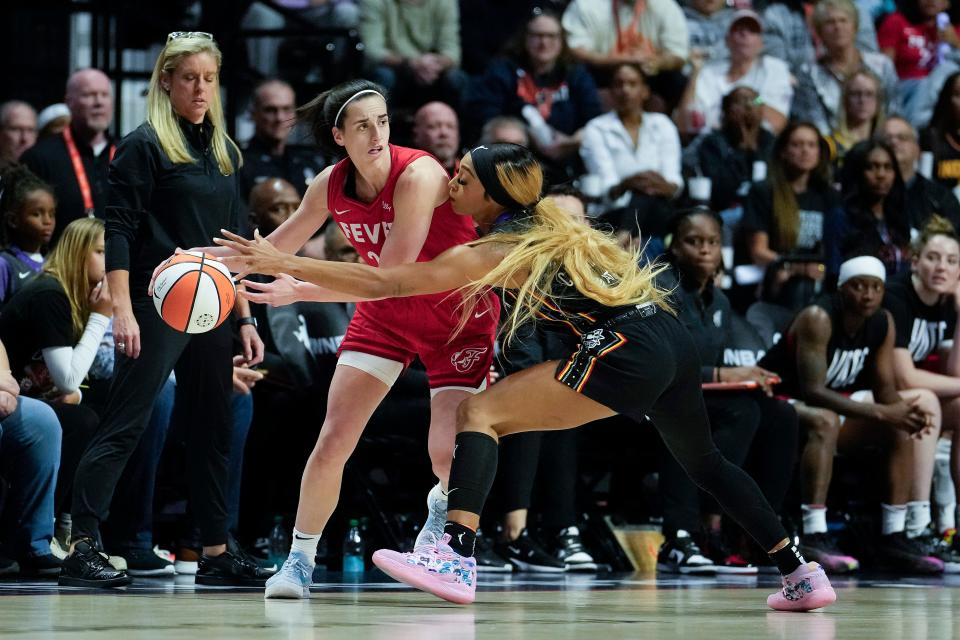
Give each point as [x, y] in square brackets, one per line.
[635, 155]
[652, 33]
[770, 77]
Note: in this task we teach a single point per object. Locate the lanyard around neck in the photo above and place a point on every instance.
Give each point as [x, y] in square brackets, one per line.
[80, 172]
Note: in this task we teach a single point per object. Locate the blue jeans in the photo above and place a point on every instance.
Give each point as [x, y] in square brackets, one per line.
[29, 459]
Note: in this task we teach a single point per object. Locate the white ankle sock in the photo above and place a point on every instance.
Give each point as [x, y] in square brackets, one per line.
[305, 543]
[918, 517]
[947, 516]
[894, 518]
[814, 518]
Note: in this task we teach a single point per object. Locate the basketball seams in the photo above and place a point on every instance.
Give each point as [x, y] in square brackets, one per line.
[193, 298]
[166, 296]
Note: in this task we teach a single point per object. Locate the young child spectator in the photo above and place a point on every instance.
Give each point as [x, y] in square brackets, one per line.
[539, 80]
[924, 197]
[649, 33]
[942, 136]
[28, 215]
[876, 222]
[861, 113]
[923, 304]
[52, 328]
[836, 362]
[635, 155]
[817, 98]
[768, 76]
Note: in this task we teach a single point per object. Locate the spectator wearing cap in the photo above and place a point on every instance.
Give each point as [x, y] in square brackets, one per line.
[787, 33]
[768, 76]
[76, 161]
[707, 23]
[53, 120]
[436, 129]
[651, 33]
[18, 130]
[817, 97]
[267, 154]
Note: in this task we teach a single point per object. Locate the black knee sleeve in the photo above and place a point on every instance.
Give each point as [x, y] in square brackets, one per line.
[474, 468]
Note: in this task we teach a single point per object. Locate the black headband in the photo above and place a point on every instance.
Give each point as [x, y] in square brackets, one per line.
[486, 170]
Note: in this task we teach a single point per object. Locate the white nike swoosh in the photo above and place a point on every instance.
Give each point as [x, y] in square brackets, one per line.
[340, 213]
[24, 274]
[481, 314]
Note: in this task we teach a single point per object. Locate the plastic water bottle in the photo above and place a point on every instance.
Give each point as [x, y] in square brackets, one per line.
[279, 541]
[353, 549]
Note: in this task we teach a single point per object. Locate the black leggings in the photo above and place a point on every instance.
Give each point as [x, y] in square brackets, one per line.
[739, 422]
[204, 372]
[549, 457]
[666, 378]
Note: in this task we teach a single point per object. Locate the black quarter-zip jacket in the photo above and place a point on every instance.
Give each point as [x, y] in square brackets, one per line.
[155, 206]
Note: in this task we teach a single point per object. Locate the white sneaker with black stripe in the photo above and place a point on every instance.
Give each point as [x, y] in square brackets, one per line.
[682, 555]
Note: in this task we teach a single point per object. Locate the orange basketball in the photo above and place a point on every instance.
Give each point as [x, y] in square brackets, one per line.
[194, 293]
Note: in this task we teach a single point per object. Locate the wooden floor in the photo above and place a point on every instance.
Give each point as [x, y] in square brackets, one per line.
[565, 607]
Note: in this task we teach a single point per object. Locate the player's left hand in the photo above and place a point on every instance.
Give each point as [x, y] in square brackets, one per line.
[253, 256]
[252, 345]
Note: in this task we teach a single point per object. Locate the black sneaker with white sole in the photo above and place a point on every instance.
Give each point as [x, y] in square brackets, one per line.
[682, 555]
[488, 560]
[228, 569]
[87, 567]
[147, 562]
[568, 548]
[526, 554]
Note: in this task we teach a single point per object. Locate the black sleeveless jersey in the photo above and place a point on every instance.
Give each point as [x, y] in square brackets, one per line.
[850, 359]
[565, 308]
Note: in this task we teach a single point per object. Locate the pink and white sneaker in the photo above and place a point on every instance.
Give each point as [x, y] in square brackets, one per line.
[805, 589]
[436, 569]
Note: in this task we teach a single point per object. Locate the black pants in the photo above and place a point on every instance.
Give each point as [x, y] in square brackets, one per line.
[79, 424]
[204, 379]
[739, 422]
[549, 457]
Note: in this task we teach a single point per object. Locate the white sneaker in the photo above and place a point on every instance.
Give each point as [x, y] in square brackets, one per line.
[432, 530]
[293, 580]
[186, 567]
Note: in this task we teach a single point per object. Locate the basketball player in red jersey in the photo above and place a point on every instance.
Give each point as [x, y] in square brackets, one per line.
[392, 205]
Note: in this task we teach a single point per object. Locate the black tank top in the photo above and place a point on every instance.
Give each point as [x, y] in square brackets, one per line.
[565, 308]
[850, 359]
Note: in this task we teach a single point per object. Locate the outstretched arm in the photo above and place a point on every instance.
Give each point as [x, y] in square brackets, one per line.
[452, 269]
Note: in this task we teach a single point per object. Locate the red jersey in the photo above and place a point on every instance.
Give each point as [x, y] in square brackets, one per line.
[400, 329]
[367, 225]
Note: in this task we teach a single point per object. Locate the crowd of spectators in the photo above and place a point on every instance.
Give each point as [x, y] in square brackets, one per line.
[753, 148]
